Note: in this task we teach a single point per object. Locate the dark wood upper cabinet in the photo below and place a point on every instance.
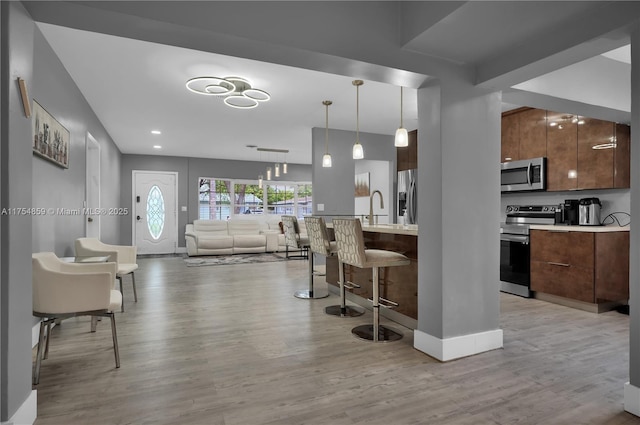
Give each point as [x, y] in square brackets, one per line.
[621, 157]
[533, 133]
[510, 138]
[407, 157]
[562, 152]
[582, 153]
[595, 155]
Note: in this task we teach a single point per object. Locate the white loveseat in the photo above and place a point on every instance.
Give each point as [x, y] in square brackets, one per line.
[235, 236]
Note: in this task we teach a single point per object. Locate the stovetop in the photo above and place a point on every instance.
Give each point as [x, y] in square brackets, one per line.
[519, 217]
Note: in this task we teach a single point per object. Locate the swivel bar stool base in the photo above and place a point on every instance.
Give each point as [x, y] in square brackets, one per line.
[343, 310]
[311, 293]
[367, 333]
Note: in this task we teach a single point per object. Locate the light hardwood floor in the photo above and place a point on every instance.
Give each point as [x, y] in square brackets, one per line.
[231, 345]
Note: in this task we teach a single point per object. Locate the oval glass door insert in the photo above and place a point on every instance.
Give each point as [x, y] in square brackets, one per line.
[155, 212]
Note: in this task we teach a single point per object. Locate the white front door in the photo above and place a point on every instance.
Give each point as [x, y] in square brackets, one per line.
[92, 186]
[155, 207]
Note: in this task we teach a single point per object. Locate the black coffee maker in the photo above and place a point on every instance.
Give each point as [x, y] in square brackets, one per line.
[570, 213]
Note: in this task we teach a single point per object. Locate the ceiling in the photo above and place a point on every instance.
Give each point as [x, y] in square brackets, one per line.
[135, 86]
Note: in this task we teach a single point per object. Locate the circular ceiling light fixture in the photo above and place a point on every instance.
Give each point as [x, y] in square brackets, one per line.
[237, 91]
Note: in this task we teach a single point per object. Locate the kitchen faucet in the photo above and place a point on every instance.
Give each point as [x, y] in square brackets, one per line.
[371, 205]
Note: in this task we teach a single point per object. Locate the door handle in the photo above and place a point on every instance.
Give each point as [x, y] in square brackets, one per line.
[90, 220]
[138, 218]
[551, 263]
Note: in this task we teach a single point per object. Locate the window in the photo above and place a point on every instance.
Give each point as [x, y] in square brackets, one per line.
[215, 199]
[155, 212]
[247, 198]
[221, 199]
[281, 199]
[304, 200]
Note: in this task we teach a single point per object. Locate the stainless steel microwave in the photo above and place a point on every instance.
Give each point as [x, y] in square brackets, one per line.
[524, 175]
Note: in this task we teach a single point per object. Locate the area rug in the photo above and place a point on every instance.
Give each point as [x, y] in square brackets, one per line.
[223, 260]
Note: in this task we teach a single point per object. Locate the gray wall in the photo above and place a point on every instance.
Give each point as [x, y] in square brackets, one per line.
[189, 171]
[15, 230]
[29, 181]
[56, 187]
[334, 187]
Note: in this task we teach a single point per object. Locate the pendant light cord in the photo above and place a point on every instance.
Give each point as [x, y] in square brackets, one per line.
[401, 107]
[326, 130]
[358, 114]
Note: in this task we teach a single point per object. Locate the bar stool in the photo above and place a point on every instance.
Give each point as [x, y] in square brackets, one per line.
[351, 250]
[320, 244]
[293, 238]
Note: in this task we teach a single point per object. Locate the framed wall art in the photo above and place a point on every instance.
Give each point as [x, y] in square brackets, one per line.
[362, 185]
[50, 138]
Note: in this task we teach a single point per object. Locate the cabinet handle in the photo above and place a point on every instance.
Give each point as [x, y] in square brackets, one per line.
[558, 264]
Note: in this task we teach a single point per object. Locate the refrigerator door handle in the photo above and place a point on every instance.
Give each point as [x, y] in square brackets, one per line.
[412, 199]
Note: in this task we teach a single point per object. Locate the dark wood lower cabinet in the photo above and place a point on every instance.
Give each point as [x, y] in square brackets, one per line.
[591, 267]
[612, 266]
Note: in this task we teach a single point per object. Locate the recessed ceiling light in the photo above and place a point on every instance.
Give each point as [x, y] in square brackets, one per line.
[157, 147]
[156, 132]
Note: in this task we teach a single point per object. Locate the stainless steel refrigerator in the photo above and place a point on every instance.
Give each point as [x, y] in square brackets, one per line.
[408, 196]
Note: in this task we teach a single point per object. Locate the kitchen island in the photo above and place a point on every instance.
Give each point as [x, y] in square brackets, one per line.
[398, 284]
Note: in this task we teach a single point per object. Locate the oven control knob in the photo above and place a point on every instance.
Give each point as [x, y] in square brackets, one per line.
[544, 208]
[509, 209]
[515, 209]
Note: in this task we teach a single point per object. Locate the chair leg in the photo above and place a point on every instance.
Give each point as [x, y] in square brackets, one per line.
[116, 351]
[46, 346]
[36, 370]
[133, 281]
[121, 305]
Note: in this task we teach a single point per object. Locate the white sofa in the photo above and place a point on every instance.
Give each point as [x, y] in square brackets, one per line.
[236, 236]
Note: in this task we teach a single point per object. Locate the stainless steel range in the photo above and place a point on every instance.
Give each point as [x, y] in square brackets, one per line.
[514, 245]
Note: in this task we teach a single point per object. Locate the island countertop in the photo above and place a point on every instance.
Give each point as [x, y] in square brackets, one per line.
[394, 229]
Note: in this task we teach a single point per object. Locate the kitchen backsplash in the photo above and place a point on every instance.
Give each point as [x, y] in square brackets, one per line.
[613, 200]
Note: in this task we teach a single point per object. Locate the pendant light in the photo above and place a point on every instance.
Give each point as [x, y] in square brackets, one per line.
[284, 165]
[402, 137]
[277, 169]
[260, 181]
[358, 152]
[268, 173]
[326, 158]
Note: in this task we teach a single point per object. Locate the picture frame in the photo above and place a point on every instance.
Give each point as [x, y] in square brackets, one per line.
[362, 185]
[50, 139]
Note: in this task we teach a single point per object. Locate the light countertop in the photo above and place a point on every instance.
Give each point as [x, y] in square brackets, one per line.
[396, 229]
[595, 229]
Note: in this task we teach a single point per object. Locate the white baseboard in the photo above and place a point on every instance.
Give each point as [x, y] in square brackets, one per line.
[632, 399]
[181, 250]
[457, 347]
[27, 413]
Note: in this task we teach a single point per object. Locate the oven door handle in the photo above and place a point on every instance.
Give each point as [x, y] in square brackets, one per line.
[514, 238]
